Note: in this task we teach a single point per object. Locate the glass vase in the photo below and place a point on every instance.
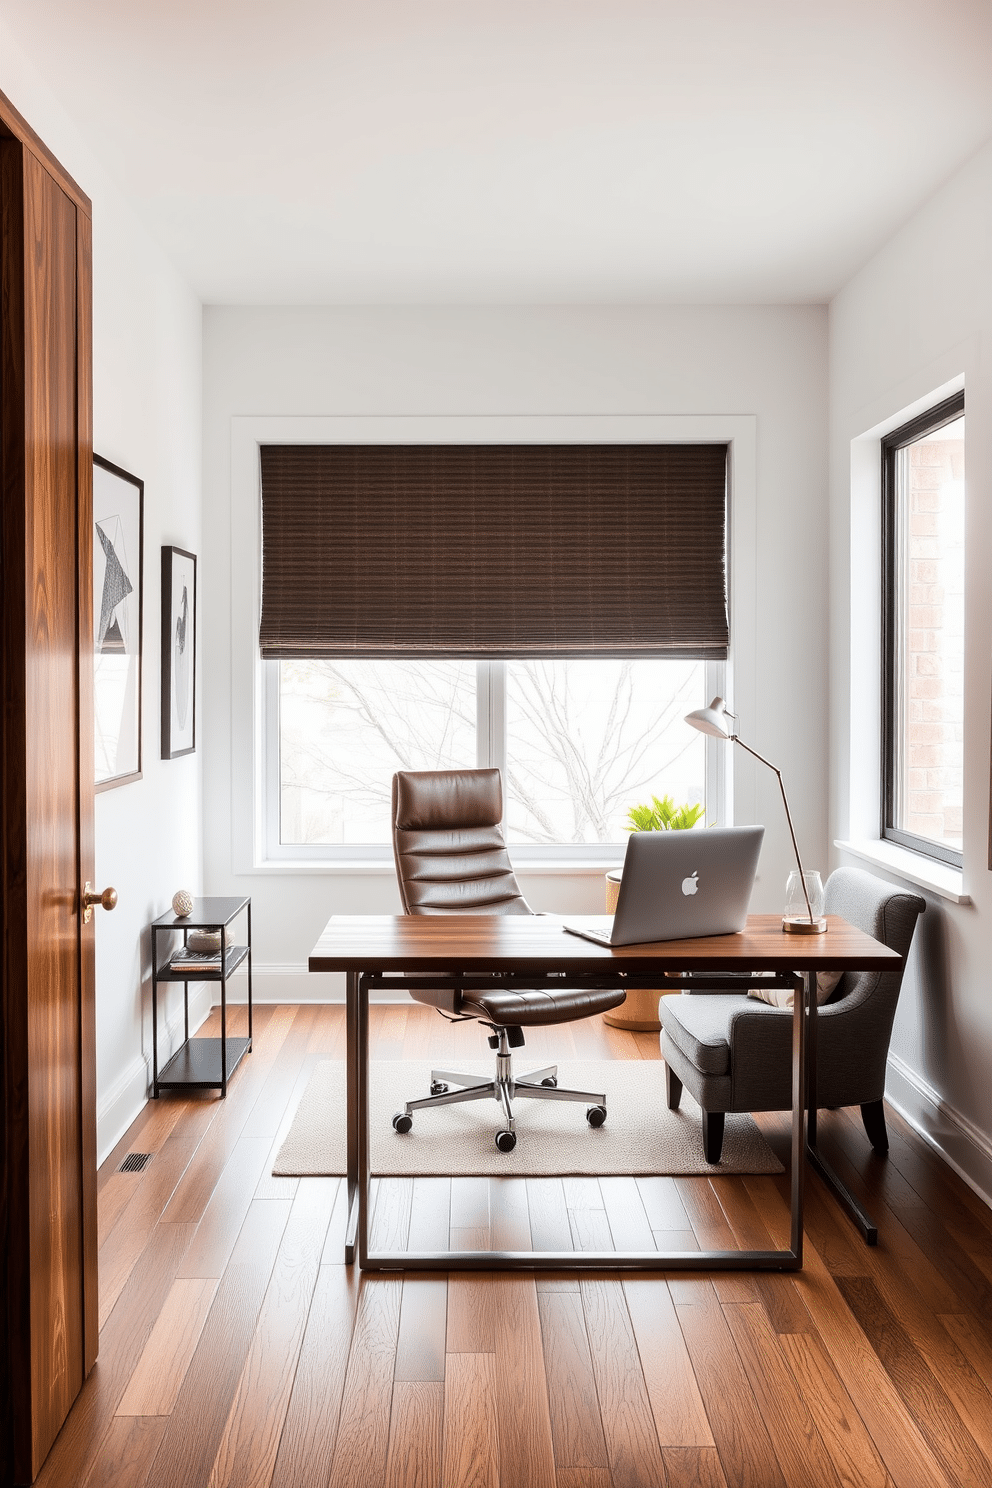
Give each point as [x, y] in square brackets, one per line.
[800, 918]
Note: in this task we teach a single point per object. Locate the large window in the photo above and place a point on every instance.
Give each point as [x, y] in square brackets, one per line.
[553, 609]
[923, 724]
[579, 742]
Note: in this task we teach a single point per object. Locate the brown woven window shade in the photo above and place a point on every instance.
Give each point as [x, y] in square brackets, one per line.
[494, 550]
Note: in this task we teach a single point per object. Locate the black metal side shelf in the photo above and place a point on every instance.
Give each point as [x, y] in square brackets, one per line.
[200, 1063]
[197, 1064]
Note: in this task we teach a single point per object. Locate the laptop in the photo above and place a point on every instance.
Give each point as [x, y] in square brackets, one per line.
[680, 885]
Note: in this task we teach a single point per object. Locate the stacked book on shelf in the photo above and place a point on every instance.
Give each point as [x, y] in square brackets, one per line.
[201, 952]
[186, 960]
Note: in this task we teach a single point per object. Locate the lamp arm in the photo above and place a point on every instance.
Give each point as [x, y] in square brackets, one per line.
[788, 814]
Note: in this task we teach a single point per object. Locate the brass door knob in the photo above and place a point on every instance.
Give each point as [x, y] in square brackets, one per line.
[106, 900]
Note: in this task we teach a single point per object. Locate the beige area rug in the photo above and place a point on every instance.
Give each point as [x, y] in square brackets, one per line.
[640, 1136]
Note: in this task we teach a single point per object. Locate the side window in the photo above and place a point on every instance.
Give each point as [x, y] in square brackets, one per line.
[923, 632]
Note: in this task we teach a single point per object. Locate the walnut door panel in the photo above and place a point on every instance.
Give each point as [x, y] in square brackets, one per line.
[51, 783]
[48, 1303]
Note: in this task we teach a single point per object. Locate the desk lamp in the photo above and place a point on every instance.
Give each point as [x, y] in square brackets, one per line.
[714, 721]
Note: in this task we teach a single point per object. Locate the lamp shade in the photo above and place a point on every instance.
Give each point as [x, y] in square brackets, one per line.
[713, 720]
[716, 721]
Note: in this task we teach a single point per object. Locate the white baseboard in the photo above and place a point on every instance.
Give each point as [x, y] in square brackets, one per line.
[272, 982]
[962, 1145]
[119, 1105]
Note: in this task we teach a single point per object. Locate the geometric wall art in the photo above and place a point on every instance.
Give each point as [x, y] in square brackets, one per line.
[118, 511]
[178, 652]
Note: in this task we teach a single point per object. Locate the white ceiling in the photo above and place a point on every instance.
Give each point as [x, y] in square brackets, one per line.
[492, 151]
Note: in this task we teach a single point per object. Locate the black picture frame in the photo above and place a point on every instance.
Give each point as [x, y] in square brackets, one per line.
[178, 652]
[118, 605]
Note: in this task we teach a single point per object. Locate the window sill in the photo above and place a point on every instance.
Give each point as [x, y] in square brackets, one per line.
[357, 867]
[927, 873]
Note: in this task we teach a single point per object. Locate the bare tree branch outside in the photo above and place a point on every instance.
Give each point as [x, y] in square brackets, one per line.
[585, 740]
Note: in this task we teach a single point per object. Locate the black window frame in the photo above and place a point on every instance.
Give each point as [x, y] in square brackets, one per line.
[928, 422]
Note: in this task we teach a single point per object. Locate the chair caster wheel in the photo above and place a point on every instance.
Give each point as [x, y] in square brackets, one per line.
[438, 1087]
[596, 1115]
[402, 1122]
[551, 1082]
[506, 1141]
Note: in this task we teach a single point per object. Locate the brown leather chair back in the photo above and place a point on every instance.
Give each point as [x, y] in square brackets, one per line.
[448, 844]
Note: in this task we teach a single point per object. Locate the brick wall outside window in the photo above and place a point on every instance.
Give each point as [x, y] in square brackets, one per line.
[930, 685]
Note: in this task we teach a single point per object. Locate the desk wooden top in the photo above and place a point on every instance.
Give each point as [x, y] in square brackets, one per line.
[536, 943]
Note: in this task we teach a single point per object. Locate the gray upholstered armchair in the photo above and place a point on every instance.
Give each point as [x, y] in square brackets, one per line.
[734, 1053]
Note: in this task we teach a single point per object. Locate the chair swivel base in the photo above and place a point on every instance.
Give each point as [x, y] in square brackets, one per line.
[539, 1084]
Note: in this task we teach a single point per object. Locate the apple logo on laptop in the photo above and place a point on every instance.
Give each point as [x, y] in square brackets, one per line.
[690, 885]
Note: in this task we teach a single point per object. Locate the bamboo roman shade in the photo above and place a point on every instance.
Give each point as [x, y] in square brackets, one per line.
[494, 550]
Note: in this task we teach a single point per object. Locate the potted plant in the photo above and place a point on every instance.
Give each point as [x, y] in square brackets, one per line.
[664, 816]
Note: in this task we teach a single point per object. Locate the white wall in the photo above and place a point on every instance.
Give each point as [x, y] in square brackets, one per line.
[917, 318]
[147, 419]
[769, 363]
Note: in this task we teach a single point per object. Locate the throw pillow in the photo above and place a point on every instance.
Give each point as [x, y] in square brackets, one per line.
[782, 997]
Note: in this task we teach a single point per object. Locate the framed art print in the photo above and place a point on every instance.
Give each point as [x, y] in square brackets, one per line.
[118, 514]
[178, 652]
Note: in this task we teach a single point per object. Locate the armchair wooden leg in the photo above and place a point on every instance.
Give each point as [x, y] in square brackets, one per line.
[712, 1135]
[673, 1087]
[873, 1116]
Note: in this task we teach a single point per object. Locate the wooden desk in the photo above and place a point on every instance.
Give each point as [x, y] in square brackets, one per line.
[520, 950]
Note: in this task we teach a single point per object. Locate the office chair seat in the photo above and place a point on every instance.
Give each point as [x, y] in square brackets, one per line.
[537, 1008]
[451, 859]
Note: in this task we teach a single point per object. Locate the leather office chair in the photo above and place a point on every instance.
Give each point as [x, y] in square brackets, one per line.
[733, 1053]
[451, 859]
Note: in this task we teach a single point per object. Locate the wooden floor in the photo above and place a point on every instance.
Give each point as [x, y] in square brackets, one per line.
[238, 1350]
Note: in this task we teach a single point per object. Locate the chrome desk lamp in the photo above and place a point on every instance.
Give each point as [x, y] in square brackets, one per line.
[715, 721]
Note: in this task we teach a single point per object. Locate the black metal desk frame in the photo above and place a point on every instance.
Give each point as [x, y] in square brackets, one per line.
[201, 1063]
[360, 984]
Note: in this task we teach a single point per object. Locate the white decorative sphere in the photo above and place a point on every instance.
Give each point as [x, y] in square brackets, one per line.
[182, 903]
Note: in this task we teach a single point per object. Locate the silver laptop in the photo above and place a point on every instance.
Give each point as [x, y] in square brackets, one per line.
[679, 885]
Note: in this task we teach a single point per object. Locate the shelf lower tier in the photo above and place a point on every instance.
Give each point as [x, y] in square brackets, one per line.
[197, 1064]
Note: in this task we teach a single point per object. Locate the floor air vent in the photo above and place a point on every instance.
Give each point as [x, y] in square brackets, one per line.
[135, 1162]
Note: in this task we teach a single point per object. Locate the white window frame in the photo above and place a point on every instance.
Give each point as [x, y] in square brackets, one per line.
[254, 742]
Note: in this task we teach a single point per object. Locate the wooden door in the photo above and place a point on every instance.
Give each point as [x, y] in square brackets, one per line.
[48, 1305]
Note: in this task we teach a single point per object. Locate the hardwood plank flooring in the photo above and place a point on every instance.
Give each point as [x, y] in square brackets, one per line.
[524, 1422]
[155, 1384]
[247, 1453]
[238, 1351]
[679, 1414]
[415, 1434]
[306, 1449]
[198, 1419]
[420, 1348]
[470, 1451]
[363, 1427]
[631, 1440]
[576, 1426]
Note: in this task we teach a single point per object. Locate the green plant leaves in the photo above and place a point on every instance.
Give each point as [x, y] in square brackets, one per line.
[663, 816]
